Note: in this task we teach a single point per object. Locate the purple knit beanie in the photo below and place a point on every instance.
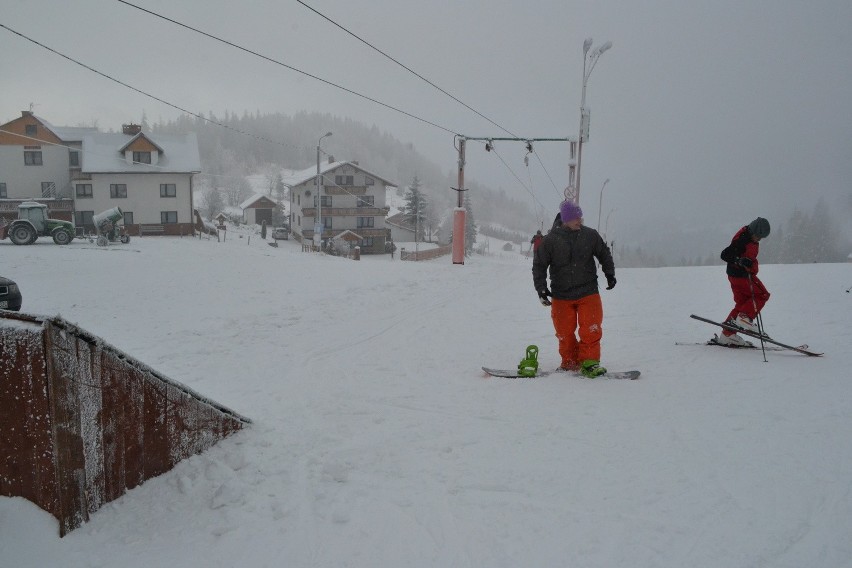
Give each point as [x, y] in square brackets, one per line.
[568, 211]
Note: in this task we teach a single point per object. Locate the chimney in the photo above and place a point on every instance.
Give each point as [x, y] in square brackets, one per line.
[330, 159]
[26, 113]
[131, 129]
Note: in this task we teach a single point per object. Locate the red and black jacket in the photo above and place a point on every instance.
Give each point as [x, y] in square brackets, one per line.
[742, 246]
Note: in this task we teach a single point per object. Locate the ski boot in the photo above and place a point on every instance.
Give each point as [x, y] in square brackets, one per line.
[528, 367]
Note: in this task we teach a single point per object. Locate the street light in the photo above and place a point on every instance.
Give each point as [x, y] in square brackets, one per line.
[318, 221]
[600, 204]
[591, 59]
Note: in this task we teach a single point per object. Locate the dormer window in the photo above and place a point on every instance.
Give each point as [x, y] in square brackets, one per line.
[142, 157]
[30, 129]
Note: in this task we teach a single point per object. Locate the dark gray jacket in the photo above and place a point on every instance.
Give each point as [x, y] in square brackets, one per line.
[570, 256]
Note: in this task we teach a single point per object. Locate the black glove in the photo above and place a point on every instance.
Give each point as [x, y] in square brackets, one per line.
[610, 281]
[542, 296]
[745, 262]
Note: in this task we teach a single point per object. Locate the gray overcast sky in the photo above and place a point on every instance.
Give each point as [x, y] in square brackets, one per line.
[703, 113]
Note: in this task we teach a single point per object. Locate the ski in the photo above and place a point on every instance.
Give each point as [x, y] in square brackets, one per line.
[513, 374]
[749, 345]
[757, 336]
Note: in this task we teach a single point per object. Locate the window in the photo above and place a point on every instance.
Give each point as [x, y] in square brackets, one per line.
[3, 191]
[168, 217]
[48, 189]
[84, 190]
[366, 200]
[128, 218]
[74, 159]
[326, 223]
[168, 190]
[326, 201]
[369, 181]
[364, 222]
[142, 157]
[30, 129]
[344, 180]
[118, 190]
[84, 218]
[32, 158]
[367, 243]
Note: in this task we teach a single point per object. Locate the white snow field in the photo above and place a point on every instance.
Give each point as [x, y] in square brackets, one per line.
[378, 442]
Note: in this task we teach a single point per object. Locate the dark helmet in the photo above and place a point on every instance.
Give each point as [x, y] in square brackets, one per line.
[759, 228]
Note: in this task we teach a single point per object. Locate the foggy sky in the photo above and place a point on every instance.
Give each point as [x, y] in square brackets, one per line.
[703, 114]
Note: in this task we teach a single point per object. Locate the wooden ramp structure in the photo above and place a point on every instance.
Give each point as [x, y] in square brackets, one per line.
[82, 422]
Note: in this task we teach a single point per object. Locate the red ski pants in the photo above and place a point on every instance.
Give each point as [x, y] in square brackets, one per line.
[744, 303]
[573, 318]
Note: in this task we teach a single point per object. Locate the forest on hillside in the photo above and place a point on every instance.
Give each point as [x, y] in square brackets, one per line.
[235, 146]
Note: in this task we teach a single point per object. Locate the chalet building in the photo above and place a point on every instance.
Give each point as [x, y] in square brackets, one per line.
[258, 209]
[148, 176]
[352, 199]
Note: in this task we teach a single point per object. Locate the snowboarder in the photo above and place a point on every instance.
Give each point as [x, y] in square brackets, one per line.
[750, 295]
[569, 252]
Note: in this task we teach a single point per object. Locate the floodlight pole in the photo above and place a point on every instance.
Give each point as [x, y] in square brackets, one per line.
[318, 221]
[592, 59]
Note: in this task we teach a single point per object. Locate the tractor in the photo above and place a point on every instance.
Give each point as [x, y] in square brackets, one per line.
[32, 223]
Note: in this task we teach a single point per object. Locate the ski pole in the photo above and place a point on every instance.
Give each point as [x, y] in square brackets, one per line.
[757, 317]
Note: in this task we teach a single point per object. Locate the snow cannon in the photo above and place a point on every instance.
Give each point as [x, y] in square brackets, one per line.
[106, 225]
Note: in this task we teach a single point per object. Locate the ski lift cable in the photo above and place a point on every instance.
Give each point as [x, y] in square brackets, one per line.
[520, 181]
[559, 193]
[412, 71]
[290, 67]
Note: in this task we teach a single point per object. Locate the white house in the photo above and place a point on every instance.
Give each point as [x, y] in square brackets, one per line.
[148, 176]
[352, 199]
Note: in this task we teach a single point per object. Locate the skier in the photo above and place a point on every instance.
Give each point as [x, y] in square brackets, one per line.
[569, 252]
[750, 295]
[536, 241]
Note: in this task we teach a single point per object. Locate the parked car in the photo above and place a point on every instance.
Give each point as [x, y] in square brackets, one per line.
[281, 233]
[10, 295]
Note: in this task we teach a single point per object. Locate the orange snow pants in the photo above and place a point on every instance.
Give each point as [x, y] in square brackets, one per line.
[573, 318]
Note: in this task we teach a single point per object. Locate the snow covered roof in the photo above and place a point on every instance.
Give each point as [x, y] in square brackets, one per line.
[67, 133]
[301, 176]
[254, 199]
[102, 152]
[136, 137]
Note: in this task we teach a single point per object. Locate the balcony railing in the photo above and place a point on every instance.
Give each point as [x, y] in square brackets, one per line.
[347, 211]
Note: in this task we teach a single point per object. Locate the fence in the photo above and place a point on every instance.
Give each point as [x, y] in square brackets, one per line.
[428, 254]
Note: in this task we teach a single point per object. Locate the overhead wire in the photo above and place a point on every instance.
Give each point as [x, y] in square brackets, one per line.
[520, 181]
[211, 36]
[410, 70]
[149, 95]
[290, 67]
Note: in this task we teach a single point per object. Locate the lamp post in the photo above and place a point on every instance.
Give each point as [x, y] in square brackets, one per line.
[318, 221]
[600, 204]
[591, 59]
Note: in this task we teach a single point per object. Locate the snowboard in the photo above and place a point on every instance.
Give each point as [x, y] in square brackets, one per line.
[757, 336]
[513, 374]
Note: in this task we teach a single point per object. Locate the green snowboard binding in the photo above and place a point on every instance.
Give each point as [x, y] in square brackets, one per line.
[528, 367]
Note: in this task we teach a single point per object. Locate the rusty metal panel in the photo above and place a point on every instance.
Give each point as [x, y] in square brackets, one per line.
[26, 448]
[95, 422]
